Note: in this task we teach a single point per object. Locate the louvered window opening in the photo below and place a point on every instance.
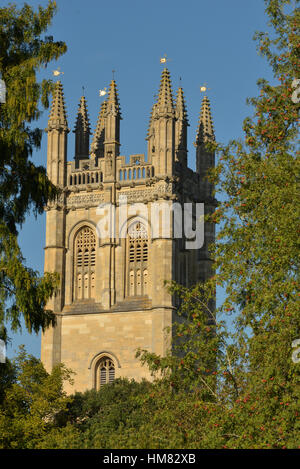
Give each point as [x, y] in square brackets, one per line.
[85, 262]
[138, 260]
[106, 371]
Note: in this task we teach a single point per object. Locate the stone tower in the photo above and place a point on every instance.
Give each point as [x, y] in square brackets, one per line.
[112, 298]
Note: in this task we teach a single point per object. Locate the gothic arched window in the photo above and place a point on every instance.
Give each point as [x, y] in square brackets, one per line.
[105, 372]
[84, 264]
[137, 260]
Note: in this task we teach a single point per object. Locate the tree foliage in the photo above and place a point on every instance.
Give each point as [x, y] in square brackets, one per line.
[257, 261]
[31, 401]
[23, 185]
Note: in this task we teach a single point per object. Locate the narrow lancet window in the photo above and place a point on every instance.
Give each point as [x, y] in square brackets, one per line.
[105, 372]
[84, 264]
[137, 260]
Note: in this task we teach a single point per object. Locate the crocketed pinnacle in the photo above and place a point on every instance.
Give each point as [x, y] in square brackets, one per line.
[150, 127]
[164, 105]
[165, 98]
[99, 137]
[181, 125]
[113, 105]
[82, 121]
[58, 117]
[181, 112]
[205, 132]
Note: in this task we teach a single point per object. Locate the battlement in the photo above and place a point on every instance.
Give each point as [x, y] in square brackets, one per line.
[136, 169]
[92, 171]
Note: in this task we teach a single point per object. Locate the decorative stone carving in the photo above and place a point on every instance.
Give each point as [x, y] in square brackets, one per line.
[146, 195]
[91, 199]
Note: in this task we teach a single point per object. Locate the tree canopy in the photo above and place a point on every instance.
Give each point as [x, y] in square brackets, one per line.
[25, 51]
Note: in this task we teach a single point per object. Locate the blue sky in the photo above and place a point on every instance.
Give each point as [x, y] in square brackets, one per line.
[206, 41]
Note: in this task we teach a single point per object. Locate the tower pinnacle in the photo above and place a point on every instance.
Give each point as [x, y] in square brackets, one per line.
[205, 132]
[58, 117]
[165, 98]
[181, 125]
[99, 135]
[82, 121]
[161, 132]
[112, 117]
[57, 138]
[181, 112]
[113, 105]
[205, 158]
[82, 130]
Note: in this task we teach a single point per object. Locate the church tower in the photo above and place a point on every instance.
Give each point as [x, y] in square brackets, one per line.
[116, 234]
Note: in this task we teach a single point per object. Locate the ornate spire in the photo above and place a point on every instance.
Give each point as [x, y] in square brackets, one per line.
[150, 127]
[165, 98]
[97, 147]
[113, 105]
[82, 121]
[181, 125]
[181, 112]
[112, 116]
[82, 130]
[205, 132]
[164, 104]
[58, 117]
[161, 131]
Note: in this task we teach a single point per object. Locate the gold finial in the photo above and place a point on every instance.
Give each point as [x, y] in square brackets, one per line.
[102, 92]
[204, 88]
[57, 72]
[164, 59]
[113, 74]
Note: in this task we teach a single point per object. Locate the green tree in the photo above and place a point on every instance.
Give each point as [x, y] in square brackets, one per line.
[32, 402]
[257, 253]
[101, 419]
[257, 262]
[23, 185]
